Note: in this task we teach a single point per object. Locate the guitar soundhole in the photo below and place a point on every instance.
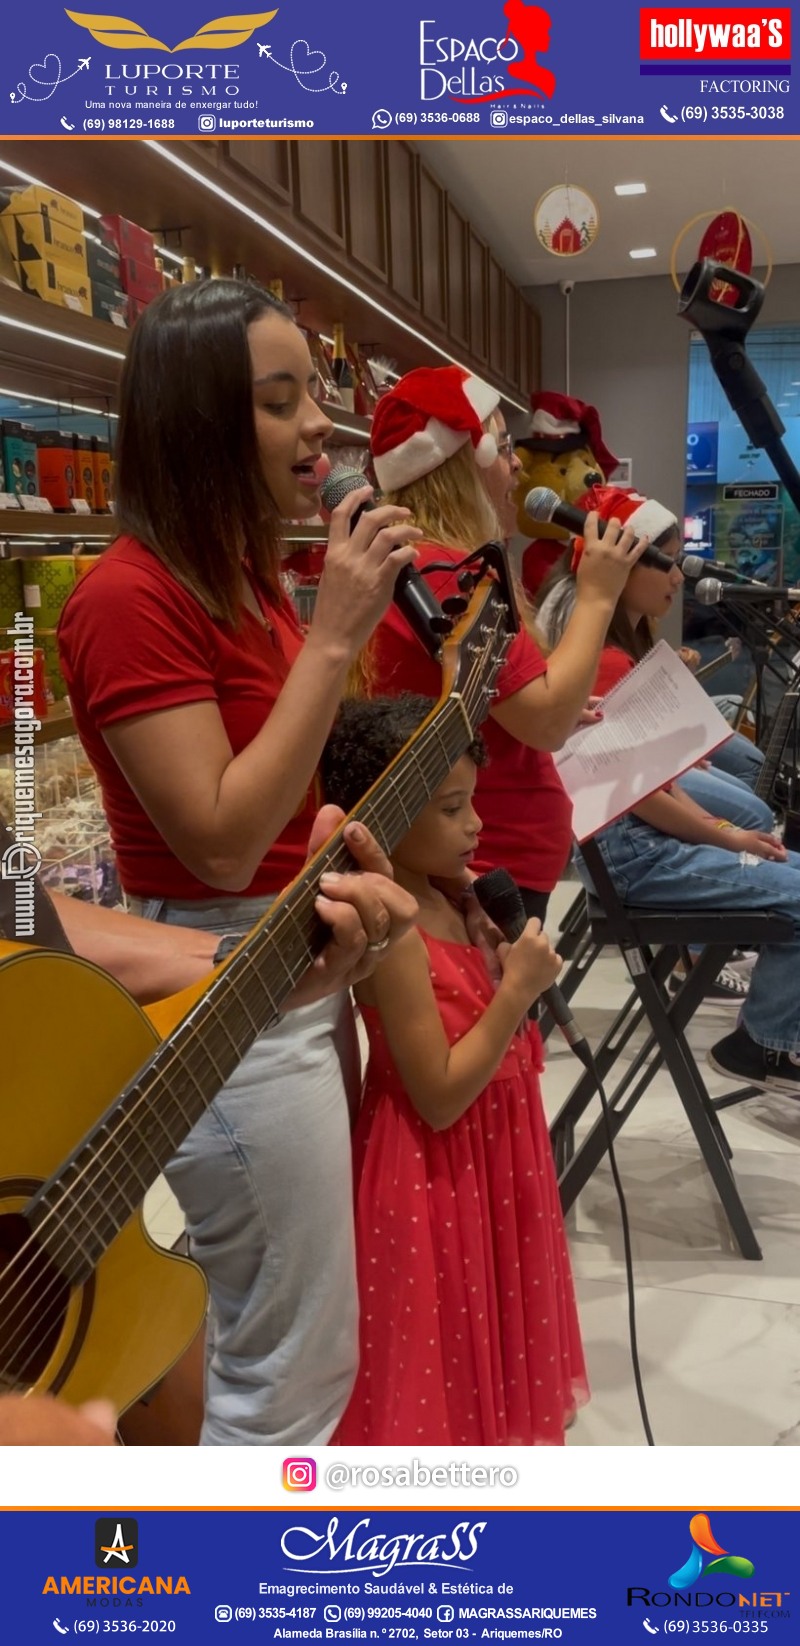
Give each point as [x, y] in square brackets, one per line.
[33, 1304]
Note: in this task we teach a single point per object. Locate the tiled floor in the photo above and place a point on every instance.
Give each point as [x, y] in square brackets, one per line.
[719, 1337]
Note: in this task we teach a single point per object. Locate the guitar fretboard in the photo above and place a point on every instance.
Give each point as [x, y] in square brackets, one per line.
[81, 1209]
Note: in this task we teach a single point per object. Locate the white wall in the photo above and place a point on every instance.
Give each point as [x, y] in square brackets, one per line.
[629, 357]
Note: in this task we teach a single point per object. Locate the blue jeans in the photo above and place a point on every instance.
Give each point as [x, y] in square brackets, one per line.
[264, 1182]
[653, 869]
[724, 795]
[740, 758]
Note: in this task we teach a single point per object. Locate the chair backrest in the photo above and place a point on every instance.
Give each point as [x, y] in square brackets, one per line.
[618, 919]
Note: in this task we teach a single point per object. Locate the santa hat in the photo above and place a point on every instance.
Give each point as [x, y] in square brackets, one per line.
[426, 418]
[561, 424]
[644, 515]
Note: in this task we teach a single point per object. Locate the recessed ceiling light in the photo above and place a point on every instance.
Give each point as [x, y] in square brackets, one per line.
[643, 251]
[630, 188]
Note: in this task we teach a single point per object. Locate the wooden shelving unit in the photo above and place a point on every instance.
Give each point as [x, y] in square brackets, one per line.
[58, 723]
[20, 523]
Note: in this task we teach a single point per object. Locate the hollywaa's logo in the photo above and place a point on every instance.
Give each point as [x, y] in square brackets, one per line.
[221, 34]
[527, 38]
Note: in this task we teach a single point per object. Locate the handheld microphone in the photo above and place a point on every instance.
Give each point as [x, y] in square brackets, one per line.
[544, 505]
[499, 897]
[416, 601]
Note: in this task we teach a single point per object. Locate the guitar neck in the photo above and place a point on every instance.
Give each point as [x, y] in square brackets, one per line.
[114, 1165]
[709, 669]
[776, 744]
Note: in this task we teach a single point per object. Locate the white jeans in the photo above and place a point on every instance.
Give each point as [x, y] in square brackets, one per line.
[264, 1182]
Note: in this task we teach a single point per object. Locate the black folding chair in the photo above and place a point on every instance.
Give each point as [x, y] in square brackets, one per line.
[651, 941]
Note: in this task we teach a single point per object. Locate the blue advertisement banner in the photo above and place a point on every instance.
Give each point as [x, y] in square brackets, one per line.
[488, 68]
[592, 1576]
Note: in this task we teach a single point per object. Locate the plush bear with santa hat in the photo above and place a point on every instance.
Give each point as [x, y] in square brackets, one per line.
[565, 452]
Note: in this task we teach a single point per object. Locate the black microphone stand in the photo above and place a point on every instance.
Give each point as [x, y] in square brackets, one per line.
[723, 329]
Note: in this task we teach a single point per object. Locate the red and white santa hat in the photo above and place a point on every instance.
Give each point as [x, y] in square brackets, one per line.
[562, 424]
[427, 417]
[644, 515]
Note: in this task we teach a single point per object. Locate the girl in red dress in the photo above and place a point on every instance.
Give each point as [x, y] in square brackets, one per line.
[469, 1330]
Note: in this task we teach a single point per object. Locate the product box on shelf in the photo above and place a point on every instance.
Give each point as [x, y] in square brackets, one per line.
[102, 262]
[48, 581]
[19, 458]
[7, 685]
[11, 599]
[56, 467]
[58, 283]
[102, 466]
[135, 307]
[129, 238]
[142, 280]
[84, 469]
[109, 303]
[32, 236]
[39, 198]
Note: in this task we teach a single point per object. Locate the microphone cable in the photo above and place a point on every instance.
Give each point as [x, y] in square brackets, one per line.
[499, 897]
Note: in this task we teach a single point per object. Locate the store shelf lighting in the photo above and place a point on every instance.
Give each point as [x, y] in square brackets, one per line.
[61, 405]
[88, 211]
[308, 257]
[60, 337]
[630, 188]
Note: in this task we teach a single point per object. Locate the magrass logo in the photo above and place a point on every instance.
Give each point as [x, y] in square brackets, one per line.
[116, 1543]
[704, 1543]
[221, 34]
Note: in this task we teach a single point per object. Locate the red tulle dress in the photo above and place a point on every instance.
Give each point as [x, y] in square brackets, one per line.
[469, 1328]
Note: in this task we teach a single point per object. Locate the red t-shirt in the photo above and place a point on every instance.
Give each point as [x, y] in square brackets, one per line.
[133, 641]
[613, 666]
[519, 796]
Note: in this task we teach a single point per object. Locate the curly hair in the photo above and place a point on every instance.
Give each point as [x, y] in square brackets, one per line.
[366, 736]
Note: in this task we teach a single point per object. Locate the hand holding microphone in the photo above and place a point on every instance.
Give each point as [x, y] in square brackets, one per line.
[499, 896]
[385, 540]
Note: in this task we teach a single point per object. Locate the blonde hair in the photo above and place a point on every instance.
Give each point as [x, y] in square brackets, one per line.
[450, 505]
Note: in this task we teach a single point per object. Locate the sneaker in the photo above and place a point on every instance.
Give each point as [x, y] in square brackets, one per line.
[727, 988]
[742, 1059]
[742, 962]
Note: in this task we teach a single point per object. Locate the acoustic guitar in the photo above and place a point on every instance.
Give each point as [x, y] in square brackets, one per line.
[98, 1093]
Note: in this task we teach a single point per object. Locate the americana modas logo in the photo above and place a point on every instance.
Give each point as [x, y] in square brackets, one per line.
[116, 1543]
[221, 34]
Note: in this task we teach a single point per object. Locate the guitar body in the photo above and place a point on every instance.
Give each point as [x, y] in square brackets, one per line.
[117, 1335]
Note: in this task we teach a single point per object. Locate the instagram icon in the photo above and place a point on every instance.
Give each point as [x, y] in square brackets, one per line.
[299, 1474]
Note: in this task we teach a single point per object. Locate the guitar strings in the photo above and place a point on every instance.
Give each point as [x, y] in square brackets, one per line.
[113, 1148]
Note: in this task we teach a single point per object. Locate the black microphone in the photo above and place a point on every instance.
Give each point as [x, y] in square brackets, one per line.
[544, 505]
[499, 896]
[694, 566]
[416, 601]
[710, 591]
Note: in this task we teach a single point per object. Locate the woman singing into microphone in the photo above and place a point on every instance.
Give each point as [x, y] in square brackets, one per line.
[204, 714]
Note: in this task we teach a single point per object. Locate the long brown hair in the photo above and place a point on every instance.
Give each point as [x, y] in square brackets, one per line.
[633, 639]
[189, 482]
